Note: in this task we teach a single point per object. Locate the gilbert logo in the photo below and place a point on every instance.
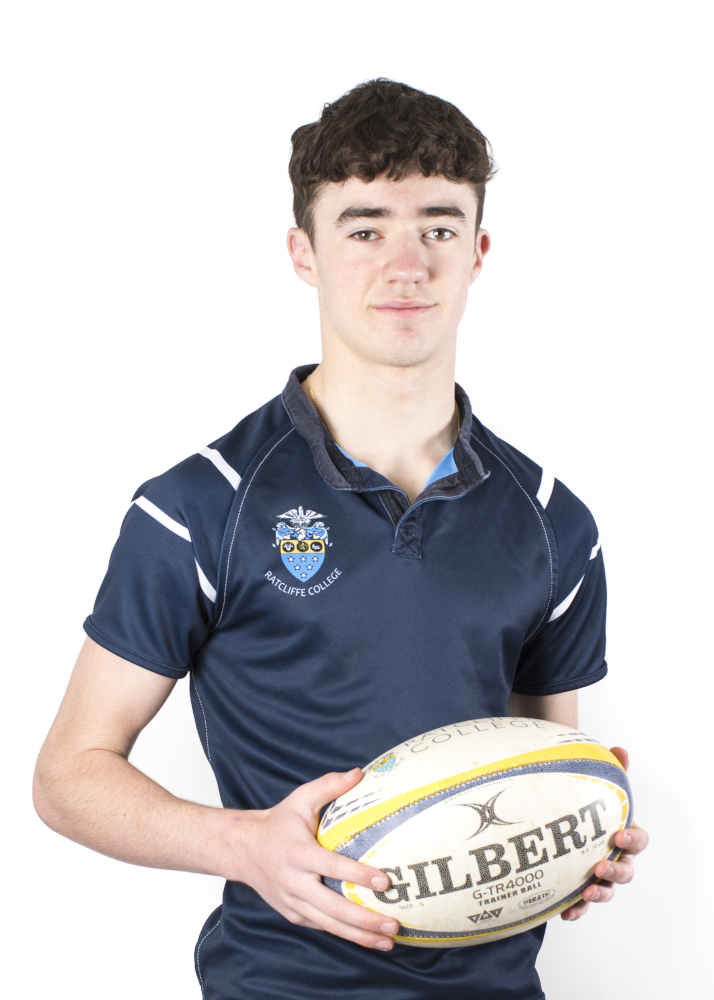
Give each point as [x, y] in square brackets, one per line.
[487, 813]
[302, 538]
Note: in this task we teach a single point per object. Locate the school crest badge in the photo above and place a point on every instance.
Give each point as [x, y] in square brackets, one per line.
[302, 543]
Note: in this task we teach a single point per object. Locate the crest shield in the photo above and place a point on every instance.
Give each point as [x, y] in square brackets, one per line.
[302, 544]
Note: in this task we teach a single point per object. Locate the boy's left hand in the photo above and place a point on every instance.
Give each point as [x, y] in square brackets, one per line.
[634, 840]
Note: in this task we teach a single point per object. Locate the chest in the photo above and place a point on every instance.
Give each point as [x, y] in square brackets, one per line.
[354, 618]
[342, 572]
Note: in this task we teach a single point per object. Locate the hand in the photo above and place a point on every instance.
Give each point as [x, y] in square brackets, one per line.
[282, 860]
[634, 839]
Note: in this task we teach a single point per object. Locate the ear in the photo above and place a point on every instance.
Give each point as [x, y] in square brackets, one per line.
[483, 245]
[302, 256]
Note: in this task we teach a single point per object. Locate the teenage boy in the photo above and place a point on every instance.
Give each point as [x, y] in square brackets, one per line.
[357, 561]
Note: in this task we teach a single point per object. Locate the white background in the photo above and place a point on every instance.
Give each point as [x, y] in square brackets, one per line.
[149, 303]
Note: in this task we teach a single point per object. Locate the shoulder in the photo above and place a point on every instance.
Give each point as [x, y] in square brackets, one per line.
[199, 490]
[565, 515]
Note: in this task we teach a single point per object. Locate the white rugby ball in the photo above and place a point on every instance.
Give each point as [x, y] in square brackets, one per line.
[486, 827]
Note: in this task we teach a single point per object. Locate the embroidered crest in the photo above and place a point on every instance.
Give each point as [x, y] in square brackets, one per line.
[383, 764]
[302, 544]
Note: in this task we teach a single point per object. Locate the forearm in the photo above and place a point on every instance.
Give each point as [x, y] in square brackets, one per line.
[105, 803]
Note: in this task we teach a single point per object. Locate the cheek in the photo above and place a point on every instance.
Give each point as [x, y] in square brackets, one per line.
[461, 288]
[351, 281]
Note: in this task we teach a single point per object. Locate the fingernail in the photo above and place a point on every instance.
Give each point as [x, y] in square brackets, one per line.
[610, 871]
[388, 928]
[627, 838]
[380, 882]
[596, 895]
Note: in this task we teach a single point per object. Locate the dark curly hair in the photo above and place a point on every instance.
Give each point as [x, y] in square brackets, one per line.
[385, 127]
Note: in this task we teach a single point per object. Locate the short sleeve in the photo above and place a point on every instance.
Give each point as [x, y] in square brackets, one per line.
[155, 604]
[568, 650]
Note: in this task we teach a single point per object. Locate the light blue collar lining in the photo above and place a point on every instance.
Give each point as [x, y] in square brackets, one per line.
[445, 467]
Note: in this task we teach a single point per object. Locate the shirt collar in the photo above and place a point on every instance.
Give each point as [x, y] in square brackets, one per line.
[339, 472]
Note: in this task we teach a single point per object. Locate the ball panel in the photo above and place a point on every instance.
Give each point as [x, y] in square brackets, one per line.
[373, 803]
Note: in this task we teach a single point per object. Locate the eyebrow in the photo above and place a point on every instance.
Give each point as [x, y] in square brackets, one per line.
[373, 212]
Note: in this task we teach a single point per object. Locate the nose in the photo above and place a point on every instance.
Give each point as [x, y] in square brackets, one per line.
[406, 260]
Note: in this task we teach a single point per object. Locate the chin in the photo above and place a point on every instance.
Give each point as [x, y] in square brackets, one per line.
[401, 355]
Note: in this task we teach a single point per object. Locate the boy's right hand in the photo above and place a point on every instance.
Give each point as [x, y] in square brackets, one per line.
[282, 861]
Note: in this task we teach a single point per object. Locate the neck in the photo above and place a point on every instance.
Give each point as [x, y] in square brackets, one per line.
[389, 417]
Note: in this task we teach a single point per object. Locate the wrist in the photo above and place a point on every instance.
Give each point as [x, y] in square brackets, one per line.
[239, 833]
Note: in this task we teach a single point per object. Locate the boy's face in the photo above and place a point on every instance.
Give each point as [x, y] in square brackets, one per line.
[361, 262]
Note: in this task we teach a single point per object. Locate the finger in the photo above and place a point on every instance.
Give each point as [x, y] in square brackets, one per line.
[337, 866]
[621, 871]
[347, 920]
[622, 755]
[599, 892]
[576, 911]
[634, 839]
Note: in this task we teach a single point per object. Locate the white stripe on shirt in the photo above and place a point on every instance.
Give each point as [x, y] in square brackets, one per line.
[162, 518]
[547, 481]
[567, 601]
[206, 587]
[213, 455]
[182, 531]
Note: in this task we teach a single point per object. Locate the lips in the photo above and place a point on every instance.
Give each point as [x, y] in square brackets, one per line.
[410, 304]
[405, 311]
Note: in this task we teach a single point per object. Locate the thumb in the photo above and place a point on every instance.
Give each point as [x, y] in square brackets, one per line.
[328, 787]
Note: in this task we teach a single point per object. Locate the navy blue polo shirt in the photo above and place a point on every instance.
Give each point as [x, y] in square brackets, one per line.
[323, 618]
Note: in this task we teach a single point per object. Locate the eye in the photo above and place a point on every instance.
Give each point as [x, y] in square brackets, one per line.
[359, 233]
[441, 229]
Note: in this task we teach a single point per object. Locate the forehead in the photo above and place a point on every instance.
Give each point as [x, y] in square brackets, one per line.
[404, 197]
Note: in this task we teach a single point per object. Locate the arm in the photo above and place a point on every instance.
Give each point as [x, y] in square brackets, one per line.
[561, 707]
[85, 788]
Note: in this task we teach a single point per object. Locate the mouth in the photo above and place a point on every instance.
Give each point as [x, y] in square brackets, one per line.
[404, 310]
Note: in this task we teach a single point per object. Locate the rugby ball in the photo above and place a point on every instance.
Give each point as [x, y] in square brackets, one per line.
[486, 827]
